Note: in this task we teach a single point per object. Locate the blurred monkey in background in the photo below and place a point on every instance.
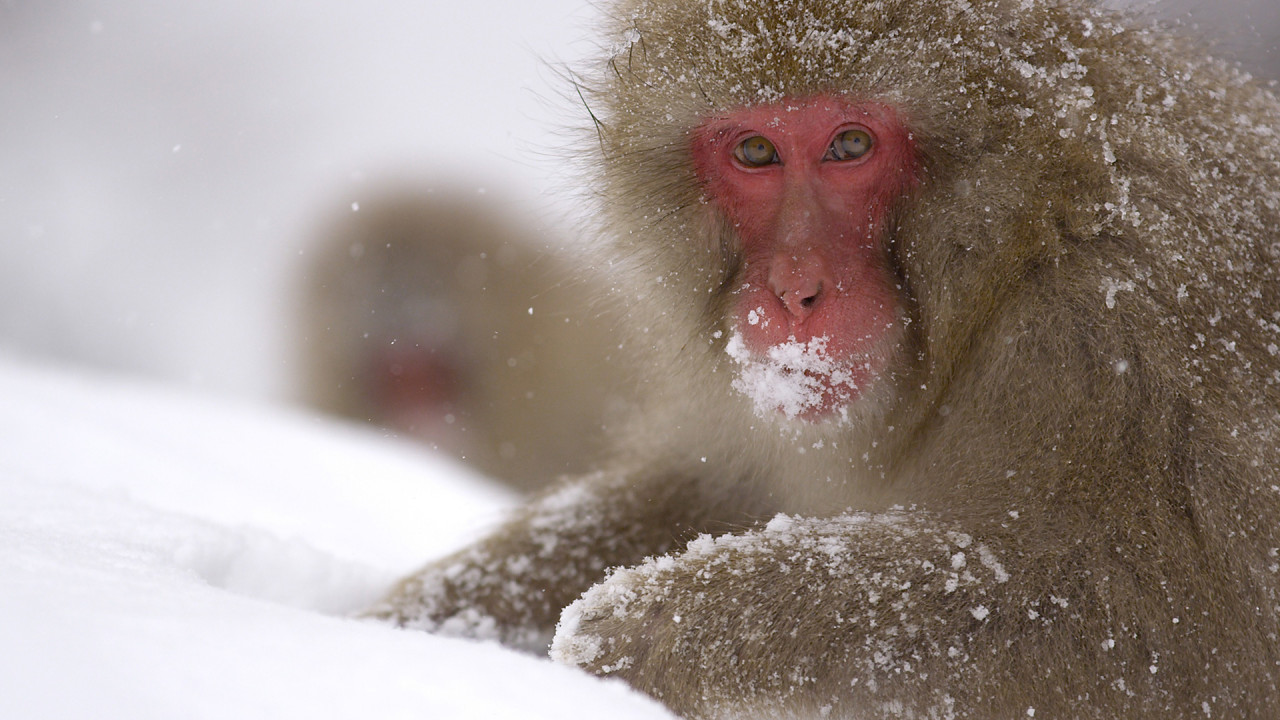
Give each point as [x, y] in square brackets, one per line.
[431, 314]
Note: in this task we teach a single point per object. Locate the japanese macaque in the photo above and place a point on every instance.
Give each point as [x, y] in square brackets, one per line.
[960, 324]
[430, 314]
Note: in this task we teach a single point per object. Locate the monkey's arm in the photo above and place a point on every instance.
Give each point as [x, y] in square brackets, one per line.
[858, 615]
[512, 585]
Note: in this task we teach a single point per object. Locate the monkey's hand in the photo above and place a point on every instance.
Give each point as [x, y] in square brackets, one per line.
[841, 609]
[512, 585]
[473, 594]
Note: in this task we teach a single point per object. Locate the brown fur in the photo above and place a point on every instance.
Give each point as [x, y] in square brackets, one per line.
[1064, 504]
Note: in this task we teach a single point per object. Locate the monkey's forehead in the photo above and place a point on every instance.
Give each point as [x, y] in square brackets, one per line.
[730, 53]
[956, 63]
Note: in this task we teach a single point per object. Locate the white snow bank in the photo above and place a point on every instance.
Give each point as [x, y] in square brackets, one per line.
[166, 556]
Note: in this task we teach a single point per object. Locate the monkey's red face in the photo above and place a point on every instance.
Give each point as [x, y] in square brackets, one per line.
[807, 185]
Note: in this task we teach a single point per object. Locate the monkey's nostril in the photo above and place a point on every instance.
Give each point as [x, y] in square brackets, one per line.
[799, 301]
[809, 299]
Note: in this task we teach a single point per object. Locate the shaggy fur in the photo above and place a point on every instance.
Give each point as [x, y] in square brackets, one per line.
[1063, 502]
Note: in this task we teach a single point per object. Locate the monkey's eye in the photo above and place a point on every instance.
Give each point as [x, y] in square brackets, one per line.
[756, 151]
[849, 145]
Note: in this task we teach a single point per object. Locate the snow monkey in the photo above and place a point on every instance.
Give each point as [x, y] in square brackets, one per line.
[426, 313]
[960, 324]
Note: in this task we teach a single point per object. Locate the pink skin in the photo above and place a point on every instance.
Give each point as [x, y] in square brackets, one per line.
[811, 229]
[416, 388]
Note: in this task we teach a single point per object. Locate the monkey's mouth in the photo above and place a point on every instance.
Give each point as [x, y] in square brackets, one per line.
[801, 380]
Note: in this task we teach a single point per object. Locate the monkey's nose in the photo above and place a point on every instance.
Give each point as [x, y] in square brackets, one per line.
[800, 280]
[799, 296]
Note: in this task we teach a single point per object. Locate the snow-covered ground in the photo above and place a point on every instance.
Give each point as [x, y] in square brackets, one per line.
[165, 555]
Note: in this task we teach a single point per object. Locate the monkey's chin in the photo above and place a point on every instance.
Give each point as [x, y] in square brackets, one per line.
[798, 380]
